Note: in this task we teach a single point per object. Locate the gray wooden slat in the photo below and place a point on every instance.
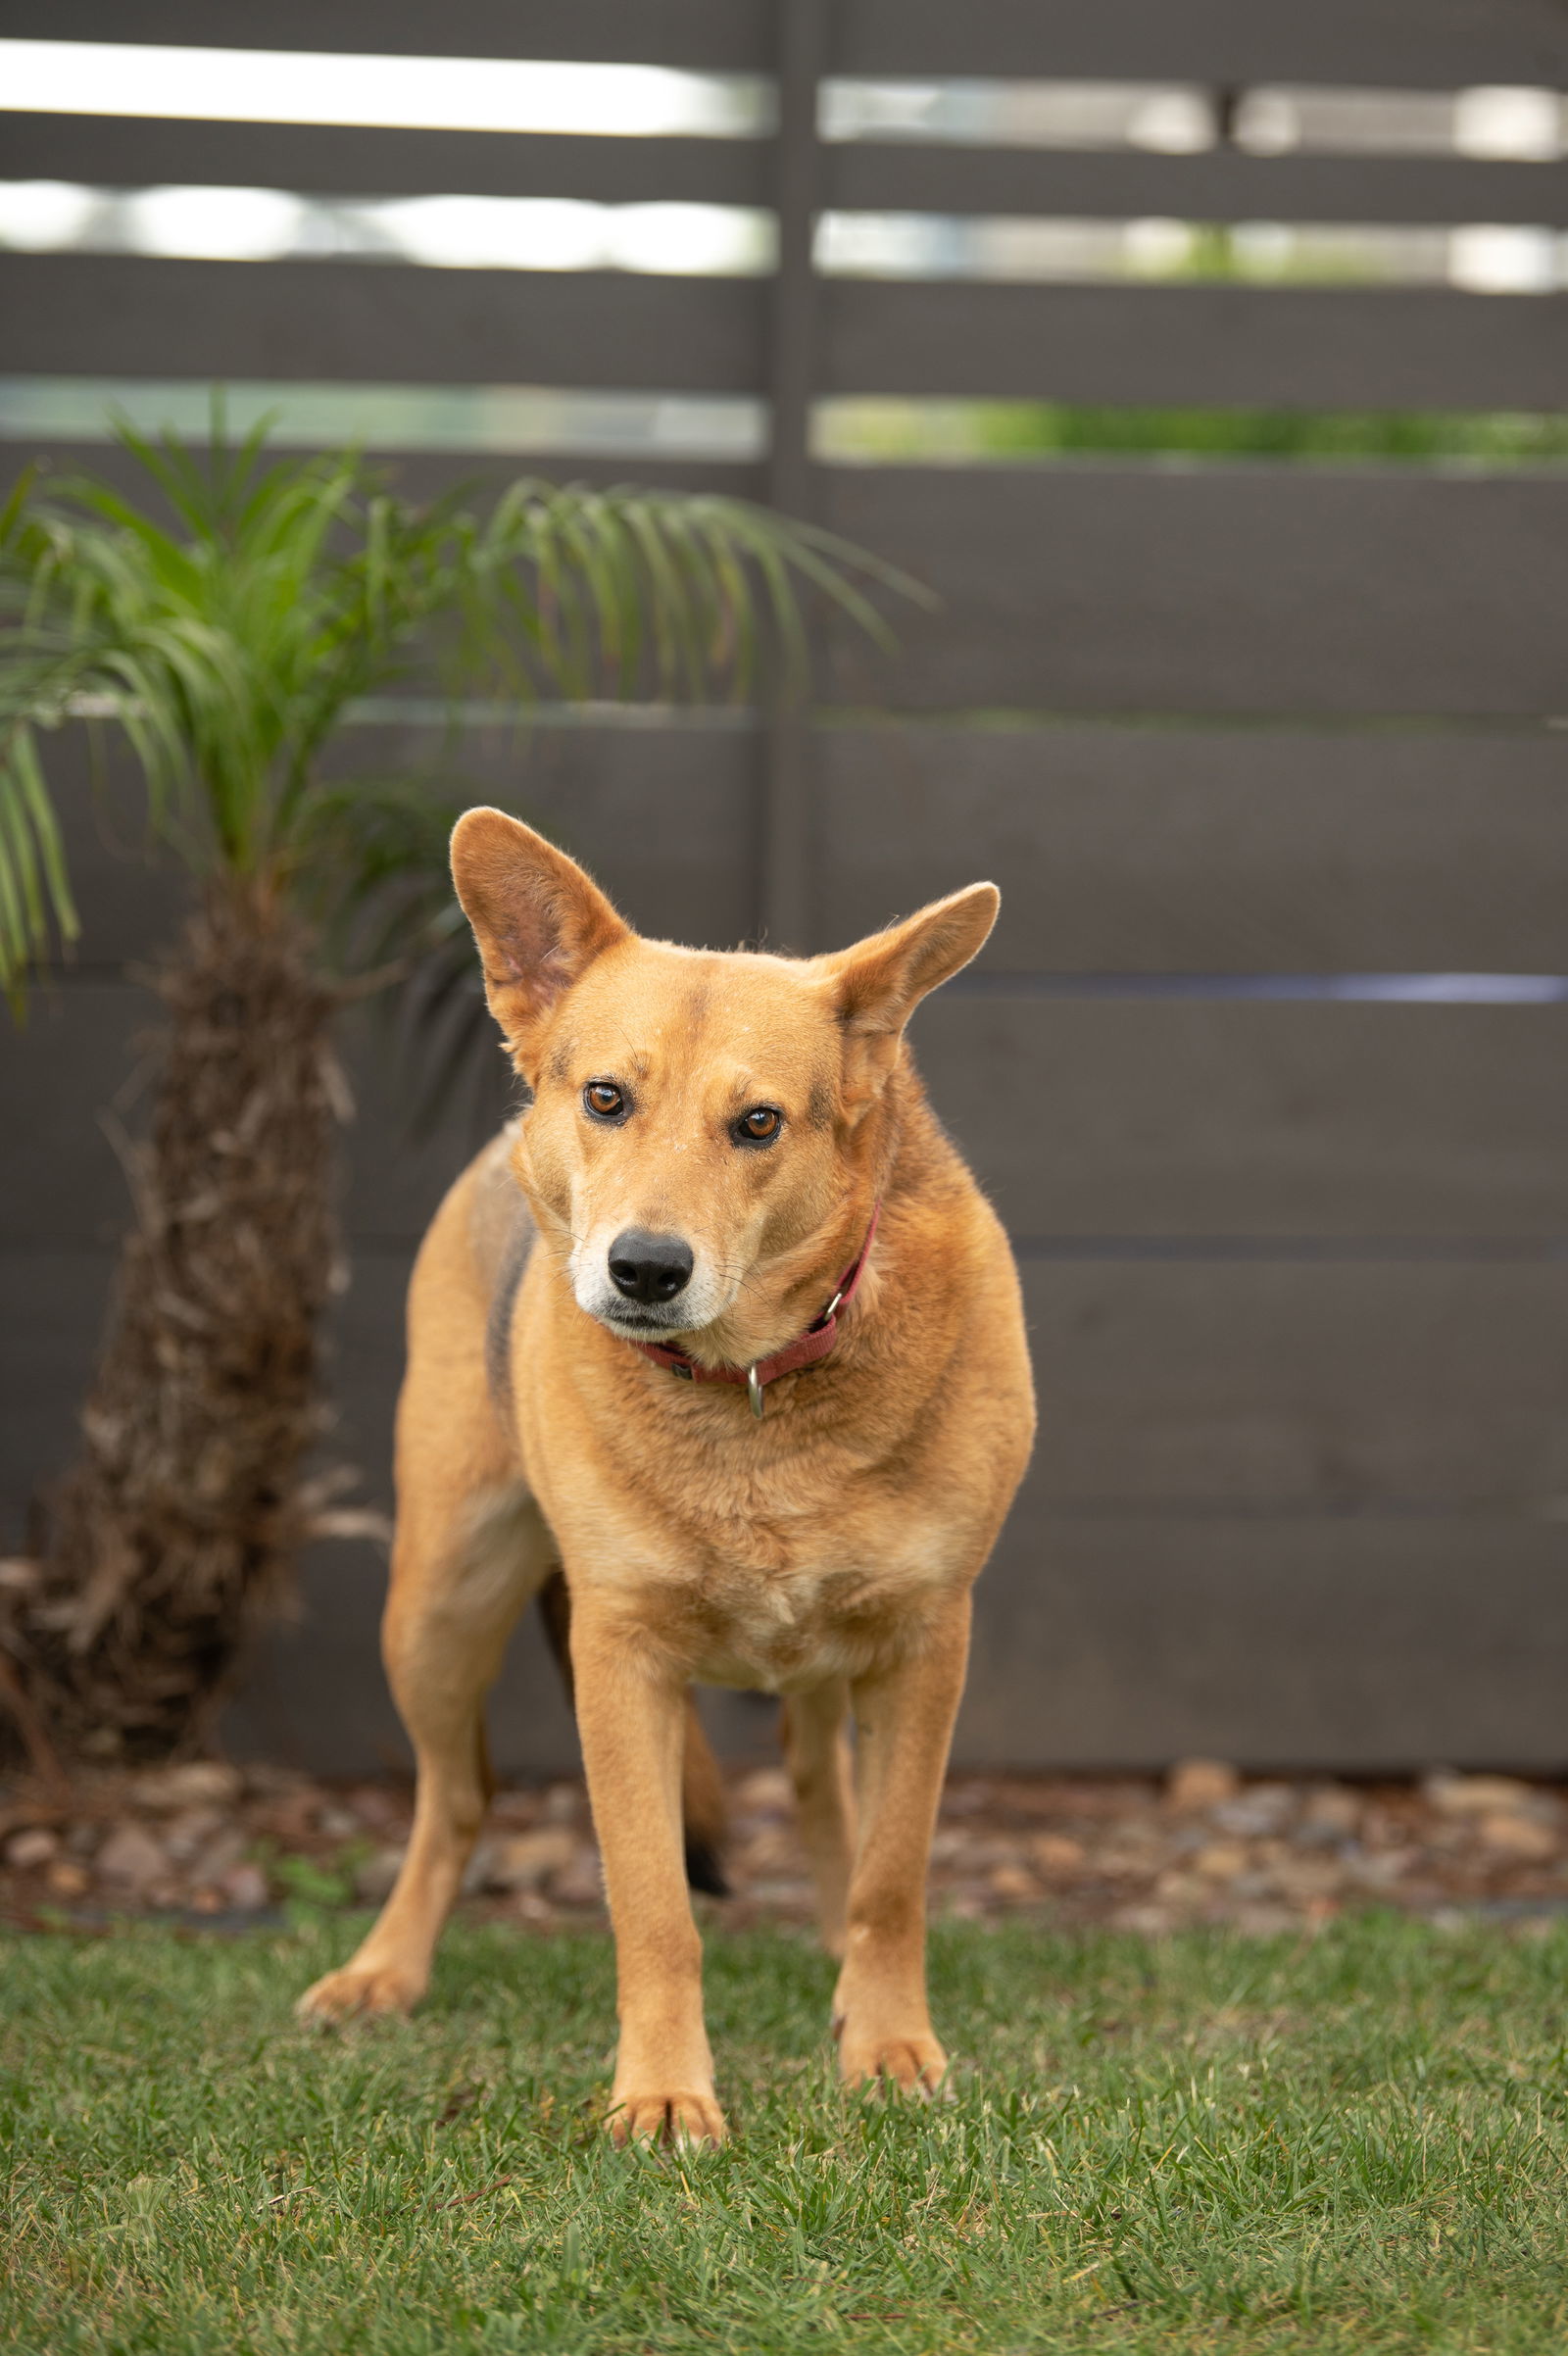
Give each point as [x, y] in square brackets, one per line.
[1291, 347]
[699, 36]
[1207, 849]
[1376, 1646]
[1413, 44]
[352, 160]
[1402, 44]
[1223, 184]
[58, 1076]
[1180, 1117]
[94, 314]
[1222, 589]
[51, 1314]
[1300, 1387]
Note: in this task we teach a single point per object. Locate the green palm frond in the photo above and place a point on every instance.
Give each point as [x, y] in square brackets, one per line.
[35, 902]
[225, 626]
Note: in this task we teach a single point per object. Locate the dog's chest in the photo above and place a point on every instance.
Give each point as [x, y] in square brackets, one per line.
[776, 1606]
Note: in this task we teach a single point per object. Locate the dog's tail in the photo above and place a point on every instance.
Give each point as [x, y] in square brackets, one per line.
[704, 1809]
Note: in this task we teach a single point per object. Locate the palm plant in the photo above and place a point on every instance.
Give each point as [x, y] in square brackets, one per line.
[222, 631]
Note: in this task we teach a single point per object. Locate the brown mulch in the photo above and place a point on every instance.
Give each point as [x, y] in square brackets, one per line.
[208, 1842]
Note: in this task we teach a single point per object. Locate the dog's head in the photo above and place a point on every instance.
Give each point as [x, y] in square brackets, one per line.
[699, 1146]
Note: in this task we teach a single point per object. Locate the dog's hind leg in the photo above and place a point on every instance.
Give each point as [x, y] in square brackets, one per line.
[817, 1752]
[471, 1550]
[443, 1644]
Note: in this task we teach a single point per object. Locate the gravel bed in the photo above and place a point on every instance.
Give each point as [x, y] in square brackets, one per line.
[209, 1843]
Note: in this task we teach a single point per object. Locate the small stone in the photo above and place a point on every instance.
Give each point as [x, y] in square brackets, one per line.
[244, 1887]
[562, 1804]
[965, 1906]
[132, 1859]
[1221, 1861]
[185, 1834]
[1263, 1921]
[768, 1852]
[1057, 1855]
[1013, 1881]
[219, 1856]
[378, 1810]
[67, 1880]
[207, 1901]
[26, 1851]
[374, 1879]
[580, 1882]
[1511, 1835]
[1330, 1813]
[193, 1784]
[1261, 1809]
[1305, 1878]
[338, 1824]
[1195, 1783]
[522, 1860]
[1379, 1869]
[766, 1792]
[1477, 1795]
[1149, 1922]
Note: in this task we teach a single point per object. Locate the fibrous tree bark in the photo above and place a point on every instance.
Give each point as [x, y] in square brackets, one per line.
[175, 1530]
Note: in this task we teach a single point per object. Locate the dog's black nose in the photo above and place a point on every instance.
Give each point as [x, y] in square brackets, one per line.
[649, 1267]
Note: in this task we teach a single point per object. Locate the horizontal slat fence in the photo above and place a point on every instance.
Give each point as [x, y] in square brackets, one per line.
[1294, 1265]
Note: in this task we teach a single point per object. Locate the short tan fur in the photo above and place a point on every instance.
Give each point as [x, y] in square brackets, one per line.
[825, 1552]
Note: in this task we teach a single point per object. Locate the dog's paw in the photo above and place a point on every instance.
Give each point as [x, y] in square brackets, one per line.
[913, 2062]
[357, 1992]
[665, 2118]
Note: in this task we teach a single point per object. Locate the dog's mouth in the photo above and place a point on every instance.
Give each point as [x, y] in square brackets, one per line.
[622, 1318]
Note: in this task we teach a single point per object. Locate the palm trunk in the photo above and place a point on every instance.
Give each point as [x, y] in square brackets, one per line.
[175, 1530]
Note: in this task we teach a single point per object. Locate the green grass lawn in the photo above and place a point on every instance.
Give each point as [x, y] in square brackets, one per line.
[1357, 2142]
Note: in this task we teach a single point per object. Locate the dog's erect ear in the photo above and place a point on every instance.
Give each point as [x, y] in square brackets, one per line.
[539, 920]
[879, 982]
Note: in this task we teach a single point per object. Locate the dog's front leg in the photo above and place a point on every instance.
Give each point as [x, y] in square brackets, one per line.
[904, 1724]
[631, 1718]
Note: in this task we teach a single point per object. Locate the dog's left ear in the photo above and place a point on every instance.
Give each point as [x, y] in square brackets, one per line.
[879, 982]
[539, 920]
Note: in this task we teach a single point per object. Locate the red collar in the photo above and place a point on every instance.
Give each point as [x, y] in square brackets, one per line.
[814, 1345]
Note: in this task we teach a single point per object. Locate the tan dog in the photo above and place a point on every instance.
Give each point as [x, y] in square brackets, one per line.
[711, 1141]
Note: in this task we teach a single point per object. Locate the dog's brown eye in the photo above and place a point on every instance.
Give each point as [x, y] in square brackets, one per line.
[603, 1099]
[759, 1126]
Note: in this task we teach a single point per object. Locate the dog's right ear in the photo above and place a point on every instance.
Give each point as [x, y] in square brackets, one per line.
[539, 920]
